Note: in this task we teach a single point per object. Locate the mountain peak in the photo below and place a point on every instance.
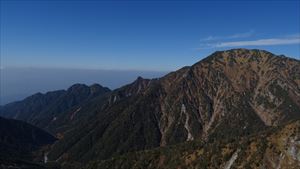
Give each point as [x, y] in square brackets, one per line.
[242, 52]
[77, 86]
[139, 78]
[240, 56]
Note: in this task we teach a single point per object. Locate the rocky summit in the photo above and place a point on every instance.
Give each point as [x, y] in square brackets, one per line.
[238, 108]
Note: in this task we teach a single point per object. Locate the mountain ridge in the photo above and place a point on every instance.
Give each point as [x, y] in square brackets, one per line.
[164, 111]
[230, 94]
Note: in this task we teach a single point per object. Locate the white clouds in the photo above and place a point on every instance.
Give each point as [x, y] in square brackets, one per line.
[284, 40]
[296, 35]
[234, 36]
[259, 42]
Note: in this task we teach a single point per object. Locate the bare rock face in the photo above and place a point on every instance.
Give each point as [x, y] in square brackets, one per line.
[250, 89]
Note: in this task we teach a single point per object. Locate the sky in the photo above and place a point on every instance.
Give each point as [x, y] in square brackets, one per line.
[139, 36]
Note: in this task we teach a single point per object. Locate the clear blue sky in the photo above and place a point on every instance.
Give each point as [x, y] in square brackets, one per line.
[147, 35]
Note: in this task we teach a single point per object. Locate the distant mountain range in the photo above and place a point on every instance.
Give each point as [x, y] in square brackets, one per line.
[234, 109]
[19, 82]
[55, 110]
